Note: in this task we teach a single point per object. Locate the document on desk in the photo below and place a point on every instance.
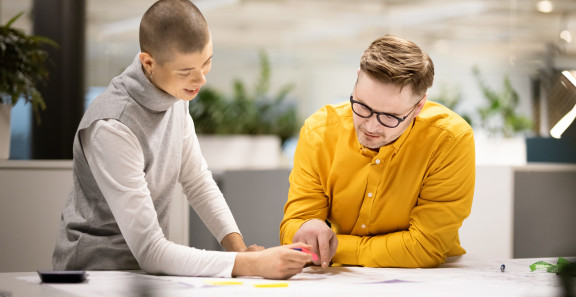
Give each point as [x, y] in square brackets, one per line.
[470, 279]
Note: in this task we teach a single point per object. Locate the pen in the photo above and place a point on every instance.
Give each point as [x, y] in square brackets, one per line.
[314, 256]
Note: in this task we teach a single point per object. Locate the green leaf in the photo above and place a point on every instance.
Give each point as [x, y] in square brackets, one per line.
[12, 20]
[247, 111]
[23, 67]
[499, 115]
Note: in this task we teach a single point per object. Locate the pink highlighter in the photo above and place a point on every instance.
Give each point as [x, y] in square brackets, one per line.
[314, 256]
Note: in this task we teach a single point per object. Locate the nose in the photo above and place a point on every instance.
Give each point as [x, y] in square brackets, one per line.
[199, 79]
[372, 123]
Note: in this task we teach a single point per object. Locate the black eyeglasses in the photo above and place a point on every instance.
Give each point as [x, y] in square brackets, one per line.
[385, 119]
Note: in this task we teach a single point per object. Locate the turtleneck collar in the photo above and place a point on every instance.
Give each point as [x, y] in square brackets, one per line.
[143, 91]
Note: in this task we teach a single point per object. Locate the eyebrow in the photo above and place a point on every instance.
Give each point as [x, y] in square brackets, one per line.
[192, 68]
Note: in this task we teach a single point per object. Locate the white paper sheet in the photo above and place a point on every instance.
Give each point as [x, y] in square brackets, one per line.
[482, 278]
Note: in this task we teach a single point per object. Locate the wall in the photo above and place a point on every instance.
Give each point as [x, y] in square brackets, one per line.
[32, 195]
[487, 232]
[518, 211]
[503, 211]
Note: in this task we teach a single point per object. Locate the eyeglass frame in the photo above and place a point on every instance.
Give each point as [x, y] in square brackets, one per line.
[378, 113]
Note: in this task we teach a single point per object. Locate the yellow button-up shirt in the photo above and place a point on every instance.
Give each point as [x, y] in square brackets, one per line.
[399, 207]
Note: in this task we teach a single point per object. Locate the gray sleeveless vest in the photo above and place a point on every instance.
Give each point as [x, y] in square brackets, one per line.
[89, 237]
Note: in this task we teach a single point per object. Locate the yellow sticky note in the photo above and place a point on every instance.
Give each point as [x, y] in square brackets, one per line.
[271, 285]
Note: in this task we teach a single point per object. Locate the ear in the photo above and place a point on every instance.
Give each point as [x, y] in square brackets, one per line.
[420, 105]
[147, 62]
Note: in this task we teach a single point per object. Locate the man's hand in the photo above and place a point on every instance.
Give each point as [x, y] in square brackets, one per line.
[322, 239]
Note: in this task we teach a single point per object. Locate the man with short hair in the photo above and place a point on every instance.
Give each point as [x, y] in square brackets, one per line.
[387, 178]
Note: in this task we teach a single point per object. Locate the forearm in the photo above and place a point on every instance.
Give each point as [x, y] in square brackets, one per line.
[168, 258]
[398, 249]
[201, 190]
[233, 242]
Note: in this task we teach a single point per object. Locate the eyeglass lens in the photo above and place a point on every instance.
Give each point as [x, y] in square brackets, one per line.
[365, 112]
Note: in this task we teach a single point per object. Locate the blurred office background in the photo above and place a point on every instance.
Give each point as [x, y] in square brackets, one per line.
[315, 46]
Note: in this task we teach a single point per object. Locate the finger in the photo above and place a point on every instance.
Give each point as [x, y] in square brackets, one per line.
[255, 248]
[299, 260]
[312, 246]
[303, 254]
[299, 245]
[333, 245]
[324, 251]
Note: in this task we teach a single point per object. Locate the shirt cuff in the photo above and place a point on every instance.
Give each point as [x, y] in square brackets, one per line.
[347, 251]
[290, 229]
[230, 259]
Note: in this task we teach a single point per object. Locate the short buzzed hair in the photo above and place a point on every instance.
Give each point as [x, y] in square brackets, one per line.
[395, 60]
[172, 26]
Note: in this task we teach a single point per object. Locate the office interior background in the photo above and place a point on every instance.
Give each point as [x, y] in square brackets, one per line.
[315, 45]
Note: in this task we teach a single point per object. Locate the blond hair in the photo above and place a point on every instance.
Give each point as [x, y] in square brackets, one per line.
[395, 60]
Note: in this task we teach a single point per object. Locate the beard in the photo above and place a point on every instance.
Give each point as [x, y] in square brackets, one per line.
[377, 139]
[373, 141]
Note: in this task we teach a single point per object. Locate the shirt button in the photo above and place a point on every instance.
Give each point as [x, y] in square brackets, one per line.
[363, 226]
[377, 161]
[370, 195]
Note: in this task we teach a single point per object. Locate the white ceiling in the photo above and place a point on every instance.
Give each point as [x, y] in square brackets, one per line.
[513, 27]
[316, 44]
[472, 25]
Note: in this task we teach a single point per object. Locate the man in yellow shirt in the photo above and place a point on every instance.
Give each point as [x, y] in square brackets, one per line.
[386, 179]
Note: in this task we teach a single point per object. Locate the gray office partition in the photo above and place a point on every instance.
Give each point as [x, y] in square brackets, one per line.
[544, 213]
[256, 199]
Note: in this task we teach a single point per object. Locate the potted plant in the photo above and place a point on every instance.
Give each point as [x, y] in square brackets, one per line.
[245, 119]
[500, 115]
[22, 69]
[504, 124]
[451, 97]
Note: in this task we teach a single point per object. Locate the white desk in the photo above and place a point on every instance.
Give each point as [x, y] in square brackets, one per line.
[459, 278]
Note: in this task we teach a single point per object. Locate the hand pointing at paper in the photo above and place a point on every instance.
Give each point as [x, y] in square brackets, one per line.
[322, 239]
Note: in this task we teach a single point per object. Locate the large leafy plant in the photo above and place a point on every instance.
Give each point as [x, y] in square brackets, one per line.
[253, 112]
[22, 67]
[500, 113]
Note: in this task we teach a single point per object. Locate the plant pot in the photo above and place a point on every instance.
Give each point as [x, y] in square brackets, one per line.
[498, 150]
[5, 110]
[224, 152]
[550, 150]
